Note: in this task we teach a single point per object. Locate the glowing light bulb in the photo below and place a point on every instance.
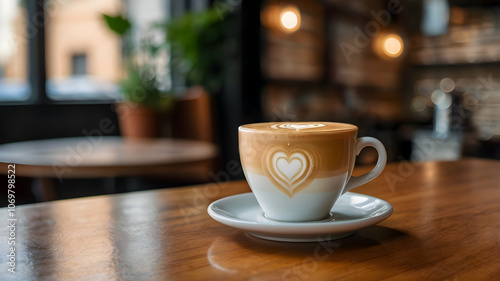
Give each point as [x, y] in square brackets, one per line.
[393, 45]
[290, 19]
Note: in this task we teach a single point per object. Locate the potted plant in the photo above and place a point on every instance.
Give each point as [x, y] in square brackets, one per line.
[144, 100]
[197, 51]
[198, 47]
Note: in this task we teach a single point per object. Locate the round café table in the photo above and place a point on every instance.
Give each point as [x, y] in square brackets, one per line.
[102, 157]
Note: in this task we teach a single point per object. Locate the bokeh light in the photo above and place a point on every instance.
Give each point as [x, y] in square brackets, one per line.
[281, 18]
[447, 85]
[393, 45]
[290, 18]
[441, 99]
[418, 104]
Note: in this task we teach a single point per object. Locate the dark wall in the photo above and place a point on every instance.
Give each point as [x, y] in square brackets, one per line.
[239, 102]
[31, 122]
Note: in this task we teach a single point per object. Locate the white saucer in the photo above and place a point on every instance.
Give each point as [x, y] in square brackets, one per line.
[352, 212]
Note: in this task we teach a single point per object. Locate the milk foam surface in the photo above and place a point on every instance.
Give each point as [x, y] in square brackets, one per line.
[299, 127]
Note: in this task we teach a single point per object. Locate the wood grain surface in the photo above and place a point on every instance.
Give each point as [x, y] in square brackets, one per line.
[445, 226]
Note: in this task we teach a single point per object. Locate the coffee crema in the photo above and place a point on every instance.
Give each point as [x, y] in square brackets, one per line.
[288, 127]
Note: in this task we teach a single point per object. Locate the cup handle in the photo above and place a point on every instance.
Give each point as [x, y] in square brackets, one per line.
[382, 159]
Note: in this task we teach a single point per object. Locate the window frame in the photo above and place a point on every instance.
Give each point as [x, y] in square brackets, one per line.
[36, 63]
[36, 18]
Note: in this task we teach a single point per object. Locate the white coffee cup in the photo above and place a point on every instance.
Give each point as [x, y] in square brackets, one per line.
[298, 170]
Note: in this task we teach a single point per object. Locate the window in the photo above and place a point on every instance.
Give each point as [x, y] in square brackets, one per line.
[13, 52]
[83, 58]
[73, 56]
[79, 65]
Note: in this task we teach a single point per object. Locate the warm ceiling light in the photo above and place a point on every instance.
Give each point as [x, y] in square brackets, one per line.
[393, 45]
[290, 19]
[281, 18]
[388, 45]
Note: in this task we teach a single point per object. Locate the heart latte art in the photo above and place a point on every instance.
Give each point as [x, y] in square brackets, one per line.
[298, 126]
[291, 170]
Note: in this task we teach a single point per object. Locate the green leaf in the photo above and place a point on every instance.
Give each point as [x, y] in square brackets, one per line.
[117, 24]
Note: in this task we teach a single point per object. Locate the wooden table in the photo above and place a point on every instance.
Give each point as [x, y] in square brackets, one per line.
[98, 156]
[445, 226]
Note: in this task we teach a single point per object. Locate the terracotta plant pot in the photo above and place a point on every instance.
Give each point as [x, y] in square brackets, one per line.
[137, 121]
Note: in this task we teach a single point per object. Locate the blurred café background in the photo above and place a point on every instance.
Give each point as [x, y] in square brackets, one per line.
[421, 76]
